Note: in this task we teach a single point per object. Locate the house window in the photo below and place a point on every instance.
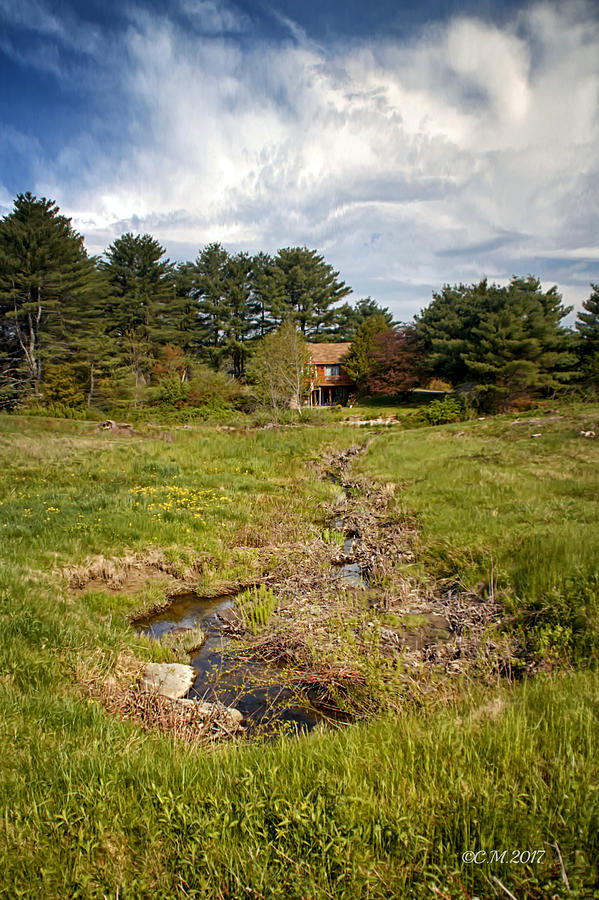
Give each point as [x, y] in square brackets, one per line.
[331, 371]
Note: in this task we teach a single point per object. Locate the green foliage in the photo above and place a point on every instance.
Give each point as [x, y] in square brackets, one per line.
[173, 392]
[62, 386]
[256, 606]
[46, 284]
[441, 412]
[358, 363]
[507, 339]
[333, 536]
[280, 368]
[587, 325]
[309, 288]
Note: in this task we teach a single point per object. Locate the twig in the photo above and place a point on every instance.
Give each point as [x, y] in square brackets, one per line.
[562, 867]
[503, 887]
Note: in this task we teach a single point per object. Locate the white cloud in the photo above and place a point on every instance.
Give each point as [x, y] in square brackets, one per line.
[214, 16]
[469, 152]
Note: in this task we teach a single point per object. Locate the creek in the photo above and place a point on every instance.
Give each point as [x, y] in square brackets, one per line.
[258, 690]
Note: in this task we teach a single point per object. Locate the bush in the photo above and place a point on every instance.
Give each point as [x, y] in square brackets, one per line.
[56, 411]
[62, 387]
[441, 412]
[173, 392]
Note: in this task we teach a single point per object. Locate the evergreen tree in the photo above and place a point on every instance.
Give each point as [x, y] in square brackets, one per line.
[310, 290]
[587, 326]
[508, 339]
[445, 326]
[241, 310]
[143, 310]
[268, 290]
[48, 290]
[209, 290]
[350, 318]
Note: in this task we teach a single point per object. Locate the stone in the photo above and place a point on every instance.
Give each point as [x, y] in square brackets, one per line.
[215, 710]
[171, 680]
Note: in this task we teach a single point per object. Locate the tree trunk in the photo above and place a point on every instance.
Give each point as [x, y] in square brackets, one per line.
[92, 384]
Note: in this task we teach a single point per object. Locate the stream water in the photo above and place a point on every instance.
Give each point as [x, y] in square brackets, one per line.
[258, 690]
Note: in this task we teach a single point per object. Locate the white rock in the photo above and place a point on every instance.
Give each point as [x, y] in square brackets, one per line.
[168, 679]
[215, 709]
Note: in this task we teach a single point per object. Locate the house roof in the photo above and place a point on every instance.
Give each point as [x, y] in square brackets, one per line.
[329, 354]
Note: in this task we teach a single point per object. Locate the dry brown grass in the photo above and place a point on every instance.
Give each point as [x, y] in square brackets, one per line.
[120, 694]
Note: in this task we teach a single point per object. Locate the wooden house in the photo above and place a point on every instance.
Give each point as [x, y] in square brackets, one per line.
[330, 382]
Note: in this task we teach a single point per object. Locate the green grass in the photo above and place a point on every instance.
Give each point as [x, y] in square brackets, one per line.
[503, 510]
[94, 807]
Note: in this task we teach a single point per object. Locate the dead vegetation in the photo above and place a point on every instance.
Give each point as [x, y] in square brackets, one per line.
[128, 572]
[120, 694]
[360, 648]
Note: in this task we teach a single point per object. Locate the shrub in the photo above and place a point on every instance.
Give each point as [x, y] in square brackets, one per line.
[441, 412]
[61, 387]
[173, 392]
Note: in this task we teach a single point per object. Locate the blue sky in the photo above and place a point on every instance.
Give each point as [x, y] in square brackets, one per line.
[413, 144]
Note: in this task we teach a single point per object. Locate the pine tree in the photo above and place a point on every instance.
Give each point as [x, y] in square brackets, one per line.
[349, 318]
[587, 325]
[508, 339]
[48, 290]
[310, 290]
[143, 310]
[208, 289]
[268, 291]
[358, 363]
[241, 310]
[445, 326]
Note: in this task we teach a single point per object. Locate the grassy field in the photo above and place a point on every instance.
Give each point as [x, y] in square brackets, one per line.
[95, 807]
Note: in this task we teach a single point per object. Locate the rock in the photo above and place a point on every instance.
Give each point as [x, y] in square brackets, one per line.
[225, 712]
[171, 680]
[229, 714]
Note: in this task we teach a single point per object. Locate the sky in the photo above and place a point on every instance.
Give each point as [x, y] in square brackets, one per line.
[413, 144]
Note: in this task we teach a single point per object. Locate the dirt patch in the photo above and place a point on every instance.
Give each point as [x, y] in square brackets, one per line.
[128, 573]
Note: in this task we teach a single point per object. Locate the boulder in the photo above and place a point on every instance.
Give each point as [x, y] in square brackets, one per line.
[171, 680]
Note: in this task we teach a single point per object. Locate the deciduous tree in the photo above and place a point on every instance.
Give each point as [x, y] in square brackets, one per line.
[281, 366]
[395, 360]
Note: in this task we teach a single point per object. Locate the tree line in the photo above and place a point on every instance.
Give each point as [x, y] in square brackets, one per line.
[77, 329]
[500, 344]
[74, 319]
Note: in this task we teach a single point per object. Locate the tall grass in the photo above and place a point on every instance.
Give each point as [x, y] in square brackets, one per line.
[256, 606]
[94, 807]
[500, 510]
